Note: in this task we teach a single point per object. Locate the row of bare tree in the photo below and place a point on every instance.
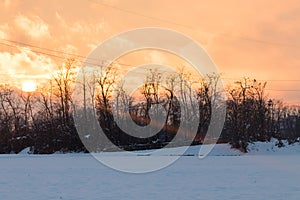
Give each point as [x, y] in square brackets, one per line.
[40, 120]
[251, 116]
[43, 120]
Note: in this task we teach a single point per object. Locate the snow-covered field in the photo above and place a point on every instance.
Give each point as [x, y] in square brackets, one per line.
[265, 173]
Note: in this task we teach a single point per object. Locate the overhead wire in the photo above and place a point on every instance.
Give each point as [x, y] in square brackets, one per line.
[193, 28]
[84, 59]
[90, 63]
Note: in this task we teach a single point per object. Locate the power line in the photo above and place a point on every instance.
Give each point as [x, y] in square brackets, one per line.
[39, 52]
[47, 49]
[259, 41]
[125, 64]
[193, 28]
[283, 90]
[42, 49]
[82, 58]
[270, 80]
[267, 80]
[79, 56]
[61, 57]
[141, 15]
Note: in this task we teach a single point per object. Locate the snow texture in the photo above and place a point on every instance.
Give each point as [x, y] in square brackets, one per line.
[267, 172]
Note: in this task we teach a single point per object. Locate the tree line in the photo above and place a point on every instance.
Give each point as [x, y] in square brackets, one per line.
[44, 121]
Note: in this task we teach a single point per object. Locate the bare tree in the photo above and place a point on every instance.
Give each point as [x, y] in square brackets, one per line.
[63, 80]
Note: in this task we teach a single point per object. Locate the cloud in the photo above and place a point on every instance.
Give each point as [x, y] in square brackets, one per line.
[155, 57]
[7, 3]
[4, 29]
[25, 64]
[35, 27]
[68, 48]
[82, 27]
[92, 46]
[83, 33]
[228, 30]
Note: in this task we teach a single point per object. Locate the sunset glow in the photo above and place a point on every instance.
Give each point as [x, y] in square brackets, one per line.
[264, 46]
[28, 86]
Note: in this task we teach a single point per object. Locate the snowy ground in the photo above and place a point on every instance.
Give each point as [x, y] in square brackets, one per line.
[225, 174]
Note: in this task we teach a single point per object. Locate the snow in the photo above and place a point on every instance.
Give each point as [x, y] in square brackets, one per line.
[224, 174]
[25, 151]
[271, 148]
[218, 150]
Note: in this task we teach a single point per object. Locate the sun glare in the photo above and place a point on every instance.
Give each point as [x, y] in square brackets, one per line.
[29, 86]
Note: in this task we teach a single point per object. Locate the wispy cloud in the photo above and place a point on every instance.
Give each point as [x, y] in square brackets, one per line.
[7, 3]
[35, 27]
[4, 30]
[25, 64]
[244, 38]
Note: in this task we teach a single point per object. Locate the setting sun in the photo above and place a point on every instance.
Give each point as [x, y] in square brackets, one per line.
[29, 86]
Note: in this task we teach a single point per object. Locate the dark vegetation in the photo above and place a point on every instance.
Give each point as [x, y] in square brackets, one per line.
[43, 120]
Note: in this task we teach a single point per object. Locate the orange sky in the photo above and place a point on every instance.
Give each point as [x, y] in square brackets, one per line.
[259, 39]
